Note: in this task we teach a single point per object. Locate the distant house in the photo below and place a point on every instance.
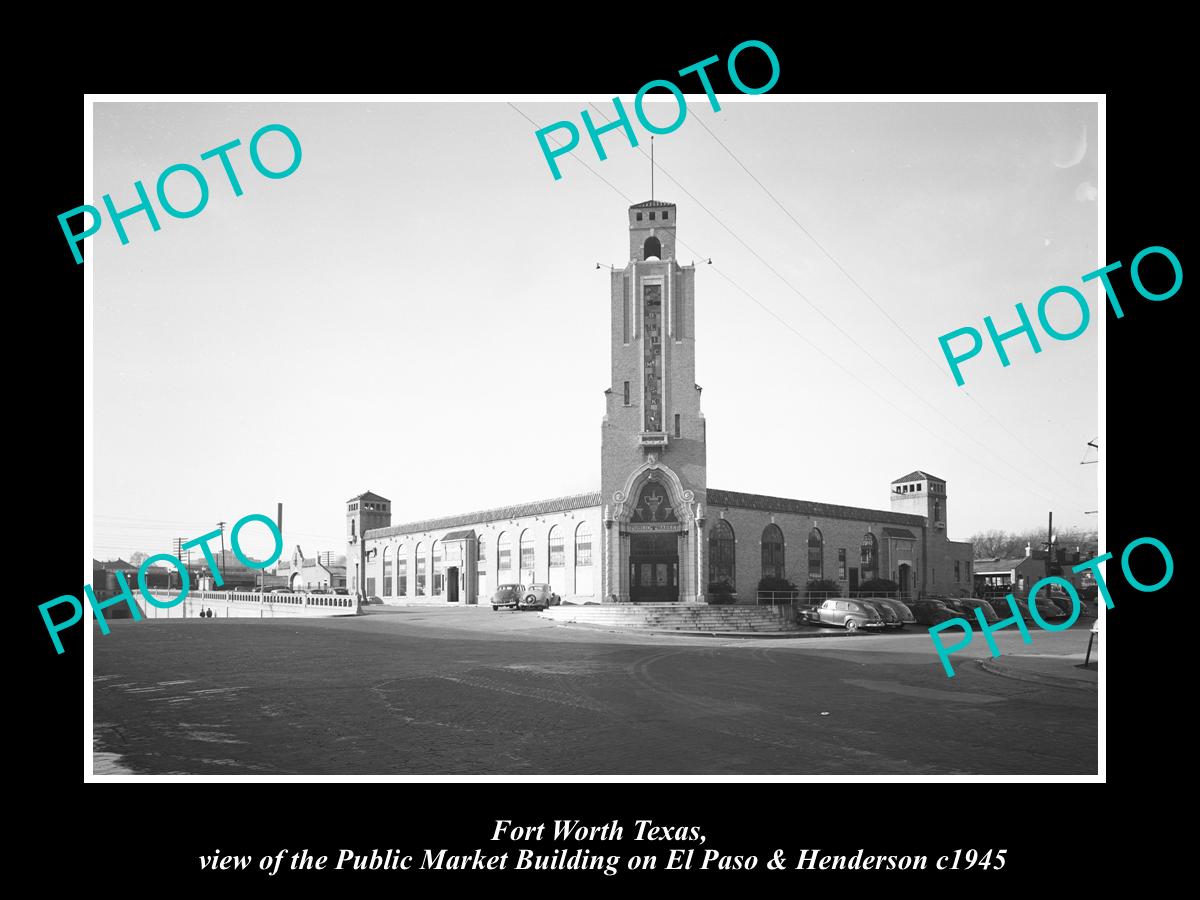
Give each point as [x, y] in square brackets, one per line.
[1014, 574]
[304, 573]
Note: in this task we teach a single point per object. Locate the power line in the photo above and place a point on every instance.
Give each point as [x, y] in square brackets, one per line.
[925, 353]
[853, 375]
[1047, 492]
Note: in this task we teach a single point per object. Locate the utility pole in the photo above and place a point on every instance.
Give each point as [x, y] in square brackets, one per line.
[1051, 568]
[178, 548]
[221, 525]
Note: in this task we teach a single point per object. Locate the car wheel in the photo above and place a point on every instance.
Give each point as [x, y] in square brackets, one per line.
[851, 626]
[494, 607]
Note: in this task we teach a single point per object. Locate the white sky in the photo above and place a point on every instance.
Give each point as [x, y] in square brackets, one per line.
[416, 310]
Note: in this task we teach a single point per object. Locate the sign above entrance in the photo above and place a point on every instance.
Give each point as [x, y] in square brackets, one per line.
[643, 528]
[653, 505]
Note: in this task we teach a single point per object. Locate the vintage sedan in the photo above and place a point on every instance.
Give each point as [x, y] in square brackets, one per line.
[932, 612]
[890, 617]
[540, 596]
[508, 596]
[850, 614]
[968, 605]
[903, 613]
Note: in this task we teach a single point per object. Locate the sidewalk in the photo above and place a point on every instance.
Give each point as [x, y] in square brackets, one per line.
[1048, 670]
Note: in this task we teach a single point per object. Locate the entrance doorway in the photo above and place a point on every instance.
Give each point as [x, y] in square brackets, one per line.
[654, 567]
[905, 581]
[853, 580]
[452, 584]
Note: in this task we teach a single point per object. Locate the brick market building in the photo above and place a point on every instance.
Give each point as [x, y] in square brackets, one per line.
[655, 531]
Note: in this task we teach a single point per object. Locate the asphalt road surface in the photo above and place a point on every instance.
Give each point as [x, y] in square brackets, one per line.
[422, 691]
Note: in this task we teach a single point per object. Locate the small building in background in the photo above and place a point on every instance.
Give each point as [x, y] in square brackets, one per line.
[301, 573]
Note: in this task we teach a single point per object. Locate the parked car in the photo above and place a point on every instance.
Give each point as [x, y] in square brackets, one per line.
[850, 614]
[903, 613]
[508, 596]
[540, 596]
[889, 616]
[341, 592]
[1046, 608]
[281, 590]
[968, 605]
[1062, 600]
[932, 612]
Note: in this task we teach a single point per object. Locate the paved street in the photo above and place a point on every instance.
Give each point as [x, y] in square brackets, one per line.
[470, 691]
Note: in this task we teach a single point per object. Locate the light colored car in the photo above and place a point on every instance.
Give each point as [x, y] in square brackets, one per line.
[540, 596]
[850, 614]
[903, 613]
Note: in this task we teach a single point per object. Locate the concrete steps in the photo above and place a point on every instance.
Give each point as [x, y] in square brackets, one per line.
[672, 617]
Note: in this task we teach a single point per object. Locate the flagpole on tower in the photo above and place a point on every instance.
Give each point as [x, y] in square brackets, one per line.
[651, 167]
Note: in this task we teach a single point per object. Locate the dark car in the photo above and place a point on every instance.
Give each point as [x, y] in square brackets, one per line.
[1046, 608]
[889, 616]
[968, 605]
[508, 596]
[932, 612]
[903, 613]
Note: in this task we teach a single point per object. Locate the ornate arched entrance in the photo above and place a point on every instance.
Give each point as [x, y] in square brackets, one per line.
[651, 538]
[297, 582]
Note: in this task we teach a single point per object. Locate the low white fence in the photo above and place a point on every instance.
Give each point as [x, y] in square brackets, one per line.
[247, 604]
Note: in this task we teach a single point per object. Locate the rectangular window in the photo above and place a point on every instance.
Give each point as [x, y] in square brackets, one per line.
[558, 555]
[387, 585]
[841, 565]
[370, 586]
[421, 575]
[481, 551]
[626, 403]
[665, 215]
[639, 217]
[526, 555]
[957, 573]
[504, 556]
[651, 217]
[676, 424]
[401, 585]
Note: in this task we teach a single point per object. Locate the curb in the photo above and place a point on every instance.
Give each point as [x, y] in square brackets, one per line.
[1074, 684]
[770, 635]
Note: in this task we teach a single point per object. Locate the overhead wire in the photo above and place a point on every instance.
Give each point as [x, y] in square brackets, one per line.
[1045, 492]
[854, 281]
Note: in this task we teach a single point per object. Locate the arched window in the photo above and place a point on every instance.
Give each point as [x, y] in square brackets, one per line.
[555, 544]
[652, 249]
[402, 571]
[387, 571]
[772, 552]
[869, 562]
[420, 569]
[526, 550]
[583, 544]
[504, 552]
[721, 553]
[439, 571]
[816, 555]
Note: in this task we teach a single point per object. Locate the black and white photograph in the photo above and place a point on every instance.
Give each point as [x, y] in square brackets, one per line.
[531, 437]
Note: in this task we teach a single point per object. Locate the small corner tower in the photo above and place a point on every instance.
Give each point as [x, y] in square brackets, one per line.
[921, 494]
[363, 513]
